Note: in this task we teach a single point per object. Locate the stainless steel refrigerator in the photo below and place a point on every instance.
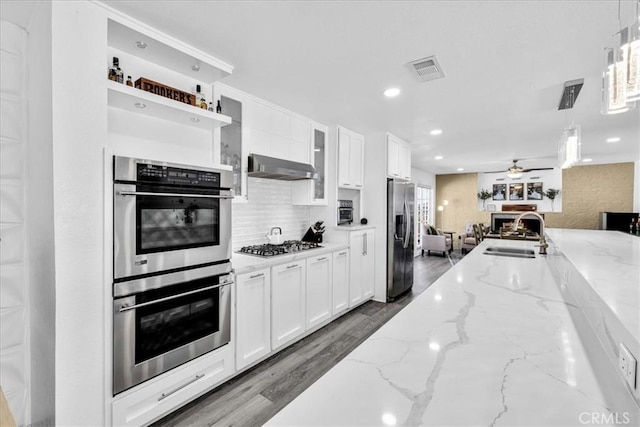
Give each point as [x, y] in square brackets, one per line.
[400, 236]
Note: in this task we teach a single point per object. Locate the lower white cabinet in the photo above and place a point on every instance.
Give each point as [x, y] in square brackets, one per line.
[253, 316]
[361, 266]
[319, 290]
[340, 281]
[288, 302]
[159, 396]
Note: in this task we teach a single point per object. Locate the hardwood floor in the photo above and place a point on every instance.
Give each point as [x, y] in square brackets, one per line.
[254, 396]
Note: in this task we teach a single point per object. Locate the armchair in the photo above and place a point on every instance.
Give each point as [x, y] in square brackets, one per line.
[433, 240]
[468, 239]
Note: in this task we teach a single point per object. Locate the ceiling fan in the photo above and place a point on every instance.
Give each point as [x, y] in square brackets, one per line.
[515, 171]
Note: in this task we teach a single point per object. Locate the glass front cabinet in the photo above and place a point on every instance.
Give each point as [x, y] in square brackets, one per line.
[314, 192]
[231, 138]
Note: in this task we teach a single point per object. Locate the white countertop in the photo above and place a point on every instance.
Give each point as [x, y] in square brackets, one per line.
[610, 263]
[243, 263]
[492, 342]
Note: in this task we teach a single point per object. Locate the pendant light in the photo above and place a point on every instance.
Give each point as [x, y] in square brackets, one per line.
[569, 145]
[630, 47]
[620, 85]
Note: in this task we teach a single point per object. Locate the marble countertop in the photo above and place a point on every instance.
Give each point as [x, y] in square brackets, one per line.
[610, 263]
[243, 263]
[492, 342]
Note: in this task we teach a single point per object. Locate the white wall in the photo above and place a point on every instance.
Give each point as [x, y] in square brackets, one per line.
[40, 218]
[636, 187]
[79, 135]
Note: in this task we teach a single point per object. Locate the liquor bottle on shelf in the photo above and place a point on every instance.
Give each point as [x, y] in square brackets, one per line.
[210, 106]
[113, 70]
[129, 81]
[200, 99]
[219, 108]
[119, 72]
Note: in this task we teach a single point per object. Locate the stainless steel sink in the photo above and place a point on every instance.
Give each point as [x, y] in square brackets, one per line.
[511, 252]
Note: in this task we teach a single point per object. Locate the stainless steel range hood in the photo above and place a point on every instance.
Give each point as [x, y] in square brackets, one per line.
[269, 167]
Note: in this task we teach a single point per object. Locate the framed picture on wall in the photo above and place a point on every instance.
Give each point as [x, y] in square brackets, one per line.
[516, 191]
[534, 191]
[499, 191]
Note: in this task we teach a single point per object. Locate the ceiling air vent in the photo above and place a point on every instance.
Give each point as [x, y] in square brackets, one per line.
[426, 69]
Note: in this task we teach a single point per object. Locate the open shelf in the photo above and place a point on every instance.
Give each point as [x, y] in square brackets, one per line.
[169, 53]
[140, 102]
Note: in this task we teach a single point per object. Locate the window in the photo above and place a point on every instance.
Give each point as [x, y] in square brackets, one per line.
[423, 208]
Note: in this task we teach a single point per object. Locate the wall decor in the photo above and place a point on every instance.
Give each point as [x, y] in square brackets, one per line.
[491, 207]
[499, 191]
[534, 191]
[516, 191]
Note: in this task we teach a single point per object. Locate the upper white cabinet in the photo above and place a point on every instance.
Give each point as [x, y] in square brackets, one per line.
[350, 159]
[232, 138]
[314, 192]
[398, 158]
[145, 52]
[275, 132]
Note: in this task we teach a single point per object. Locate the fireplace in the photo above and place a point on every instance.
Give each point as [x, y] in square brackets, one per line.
[505, 219]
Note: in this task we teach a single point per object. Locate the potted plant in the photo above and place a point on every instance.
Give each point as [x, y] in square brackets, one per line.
[551, 194]
[484, 195]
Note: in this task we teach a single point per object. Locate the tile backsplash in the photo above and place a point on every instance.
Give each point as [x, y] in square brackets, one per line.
[269, 205]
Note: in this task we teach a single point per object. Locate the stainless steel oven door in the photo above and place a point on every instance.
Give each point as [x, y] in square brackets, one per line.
[163, 321]
[158, 229]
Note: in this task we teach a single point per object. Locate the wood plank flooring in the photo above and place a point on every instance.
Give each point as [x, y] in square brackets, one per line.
[254, 396]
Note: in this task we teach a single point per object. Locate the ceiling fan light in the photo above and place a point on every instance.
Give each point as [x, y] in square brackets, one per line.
[514, 175]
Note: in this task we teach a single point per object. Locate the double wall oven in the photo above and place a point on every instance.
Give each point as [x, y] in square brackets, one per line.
[171, 264]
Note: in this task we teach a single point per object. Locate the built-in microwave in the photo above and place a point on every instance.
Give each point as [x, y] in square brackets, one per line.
[345, 212]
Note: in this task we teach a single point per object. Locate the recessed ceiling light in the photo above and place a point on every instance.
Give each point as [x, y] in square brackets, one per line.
[391, 92]
[436, 132]
[195, 119]
[460, 169]
[140, 44]
[614, 139]
[438, 157]
[195, 67]
[587, 160]
[140, 105]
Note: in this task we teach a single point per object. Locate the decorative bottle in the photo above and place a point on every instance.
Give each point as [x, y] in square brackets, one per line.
[200, 99]
[219, 108]
[210, 106]
[129, 81]
[119, 72]
[113, 73]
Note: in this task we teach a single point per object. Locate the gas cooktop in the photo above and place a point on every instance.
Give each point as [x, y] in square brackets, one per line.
[289, 246]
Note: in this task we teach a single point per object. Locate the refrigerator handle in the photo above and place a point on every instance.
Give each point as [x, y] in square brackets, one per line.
[408, 224]
[364, 244]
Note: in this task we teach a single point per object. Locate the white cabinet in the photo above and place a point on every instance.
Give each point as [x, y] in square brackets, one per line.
[350, 159]
[231, 138]
[288, 302]
[276, 132]
[319, 290]
[161, 395]
[253, 317]
[340, 282]
[314, 191]
[361, 266]
[398, 158]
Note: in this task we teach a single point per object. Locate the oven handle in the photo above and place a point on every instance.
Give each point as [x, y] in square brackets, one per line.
[150, 193]
[144, 304]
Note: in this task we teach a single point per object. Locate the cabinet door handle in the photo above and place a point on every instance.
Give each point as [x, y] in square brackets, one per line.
[175, 390]
[322, 259]
[256, 275]
[358, 185]
[342, 253]
[364, 244]
[292, 266]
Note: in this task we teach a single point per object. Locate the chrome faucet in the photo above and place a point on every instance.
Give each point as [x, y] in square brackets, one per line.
[543, 242]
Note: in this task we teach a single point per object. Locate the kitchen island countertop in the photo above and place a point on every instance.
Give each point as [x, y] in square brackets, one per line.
[495, 341]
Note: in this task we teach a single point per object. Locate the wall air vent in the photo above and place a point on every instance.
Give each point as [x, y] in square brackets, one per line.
[426, 69]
